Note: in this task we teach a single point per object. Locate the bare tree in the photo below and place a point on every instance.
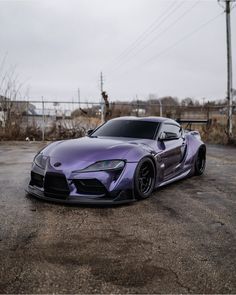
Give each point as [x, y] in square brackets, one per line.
[107, 111]
[11, 89]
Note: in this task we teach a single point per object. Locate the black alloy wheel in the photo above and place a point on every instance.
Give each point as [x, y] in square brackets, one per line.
[144, 179]
[200, 162]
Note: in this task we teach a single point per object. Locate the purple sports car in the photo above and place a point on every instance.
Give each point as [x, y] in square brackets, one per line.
[121, 161]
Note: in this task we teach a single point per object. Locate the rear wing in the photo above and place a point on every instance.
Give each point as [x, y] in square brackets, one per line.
[189, 122]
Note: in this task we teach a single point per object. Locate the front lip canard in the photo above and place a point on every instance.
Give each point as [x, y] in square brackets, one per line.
[66, 186]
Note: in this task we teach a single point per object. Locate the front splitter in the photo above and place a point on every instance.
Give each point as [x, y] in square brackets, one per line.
[121, 198]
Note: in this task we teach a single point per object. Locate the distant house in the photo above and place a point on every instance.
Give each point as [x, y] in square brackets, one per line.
[46, 118]
[138, 112]
[14, 110]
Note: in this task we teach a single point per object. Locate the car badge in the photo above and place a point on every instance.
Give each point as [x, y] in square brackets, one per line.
[57, 164]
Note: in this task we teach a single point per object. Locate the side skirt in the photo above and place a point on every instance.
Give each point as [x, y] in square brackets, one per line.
[183, 175]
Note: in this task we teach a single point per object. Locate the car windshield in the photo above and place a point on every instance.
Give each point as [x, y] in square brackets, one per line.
[128, 128]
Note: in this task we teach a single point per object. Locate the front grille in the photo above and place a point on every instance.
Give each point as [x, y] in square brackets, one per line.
[89, 187]
[36, 179]
[56, 183]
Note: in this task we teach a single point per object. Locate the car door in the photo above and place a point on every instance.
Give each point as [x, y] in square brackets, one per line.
[172, 145]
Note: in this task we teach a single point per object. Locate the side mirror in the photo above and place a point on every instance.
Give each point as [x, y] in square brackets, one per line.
[90, 131]
[162, 136]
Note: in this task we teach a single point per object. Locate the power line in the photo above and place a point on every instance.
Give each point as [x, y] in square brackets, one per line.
[144, 34]
[161, 33]
[147, 32]
[187, 36]
[152, 28]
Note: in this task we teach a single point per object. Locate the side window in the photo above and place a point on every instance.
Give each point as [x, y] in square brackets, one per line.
[172, 131]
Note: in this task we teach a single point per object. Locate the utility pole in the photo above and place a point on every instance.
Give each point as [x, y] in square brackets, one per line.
[43, 123]
[160, 103]
[229, 68]
[79, 97]
[203, 101]
[137, 107]
[102, 104]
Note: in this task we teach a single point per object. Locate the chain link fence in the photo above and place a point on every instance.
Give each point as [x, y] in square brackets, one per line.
[54, 120]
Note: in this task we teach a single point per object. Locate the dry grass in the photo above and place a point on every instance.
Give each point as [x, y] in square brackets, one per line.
[77, 126]
[216, 133]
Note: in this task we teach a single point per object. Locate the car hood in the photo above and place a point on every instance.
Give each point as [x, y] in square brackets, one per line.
[81, 152]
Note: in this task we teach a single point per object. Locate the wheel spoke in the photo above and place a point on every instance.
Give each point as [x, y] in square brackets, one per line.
[146, 173]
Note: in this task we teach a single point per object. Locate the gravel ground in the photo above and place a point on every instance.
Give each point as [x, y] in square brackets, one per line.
[180, 240]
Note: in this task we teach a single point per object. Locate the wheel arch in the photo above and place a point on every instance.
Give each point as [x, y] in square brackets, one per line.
[153, 161]
[136, 154]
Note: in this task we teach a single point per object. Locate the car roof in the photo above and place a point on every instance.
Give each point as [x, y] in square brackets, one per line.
[149, 119]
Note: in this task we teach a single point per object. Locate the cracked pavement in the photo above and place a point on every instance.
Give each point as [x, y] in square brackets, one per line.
[180, 240]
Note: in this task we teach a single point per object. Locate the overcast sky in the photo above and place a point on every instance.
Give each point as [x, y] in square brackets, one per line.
[58, 46]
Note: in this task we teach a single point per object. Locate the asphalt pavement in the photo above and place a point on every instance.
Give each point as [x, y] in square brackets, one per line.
[180, 240]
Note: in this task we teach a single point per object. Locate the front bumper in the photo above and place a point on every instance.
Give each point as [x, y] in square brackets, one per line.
[122, 198]
[66, 189]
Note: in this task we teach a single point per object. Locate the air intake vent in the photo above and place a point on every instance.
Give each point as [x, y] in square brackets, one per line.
[56, 183]
[36, 179]
[89, 187]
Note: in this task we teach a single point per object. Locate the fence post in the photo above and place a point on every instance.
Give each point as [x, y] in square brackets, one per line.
[43, 123]
[160, 103]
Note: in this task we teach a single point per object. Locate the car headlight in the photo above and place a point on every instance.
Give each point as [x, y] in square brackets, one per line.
[104, 166]
[40, 160]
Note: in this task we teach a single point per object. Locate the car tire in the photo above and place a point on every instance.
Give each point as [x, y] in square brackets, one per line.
[144, 179]
[200, 162]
